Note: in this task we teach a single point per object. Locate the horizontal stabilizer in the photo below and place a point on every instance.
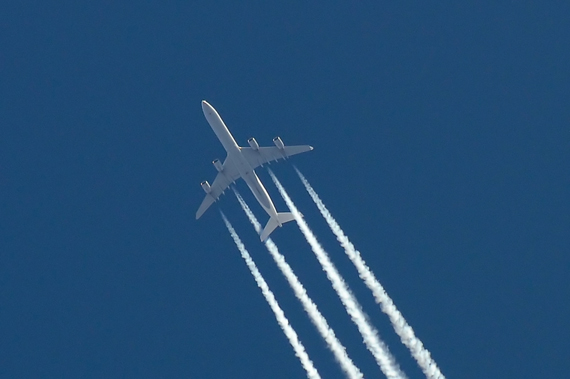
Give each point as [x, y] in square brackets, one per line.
[285, 217]
[273, 223]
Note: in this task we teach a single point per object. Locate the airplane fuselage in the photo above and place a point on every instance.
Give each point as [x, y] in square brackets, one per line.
[242, 165]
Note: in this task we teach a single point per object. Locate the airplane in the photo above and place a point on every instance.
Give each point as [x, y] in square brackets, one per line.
[241, 162]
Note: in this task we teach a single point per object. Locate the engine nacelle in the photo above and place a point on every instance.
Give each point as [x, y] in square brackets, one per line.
[277, 141]
[218, 165]
[253, 143]
[206, 186]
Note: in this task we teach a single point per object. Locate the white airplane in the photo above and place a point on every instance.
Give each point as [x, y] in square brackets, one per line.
[241, 162]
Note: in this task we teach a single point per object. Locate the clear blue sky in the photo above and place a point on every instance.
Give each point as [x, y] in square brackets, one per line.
[442, 146]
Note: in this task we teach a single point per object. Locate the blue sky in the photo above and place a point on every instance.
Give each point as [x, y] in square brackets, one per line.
[441, 135]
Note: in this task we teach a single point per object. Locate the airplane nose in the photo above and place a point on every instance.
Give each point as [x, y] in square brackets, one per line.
[207, 108]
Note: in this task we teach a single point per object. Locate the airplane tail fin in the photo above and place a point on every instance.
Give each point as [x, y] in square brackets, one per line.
[273, 223]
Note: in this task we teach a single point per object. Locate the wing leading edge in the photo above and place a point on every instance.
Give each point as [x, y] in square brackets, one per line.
[225, 177]
[229, 173]
[264, 155]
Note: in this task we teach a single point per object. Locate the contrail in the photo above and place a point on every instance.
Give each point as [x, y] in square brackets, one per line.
[379, 350]
[405, 331]
[279, 315]
[310, 307]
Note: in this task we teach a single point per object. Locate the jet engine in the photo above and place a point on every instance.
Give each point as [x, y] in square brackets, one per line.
[253, 143]
[217, 165]
[277, 141]
[206, 186]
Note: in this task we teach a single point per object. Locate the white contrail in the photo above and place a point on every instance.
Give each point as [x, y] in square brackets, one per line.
[279, 315]
[379, 350]
[406, 333]
[310, 307]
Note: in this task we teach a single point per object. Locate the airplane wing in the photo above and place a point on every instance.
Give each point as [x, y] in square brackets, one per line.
[227, 176]
[264, 155]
